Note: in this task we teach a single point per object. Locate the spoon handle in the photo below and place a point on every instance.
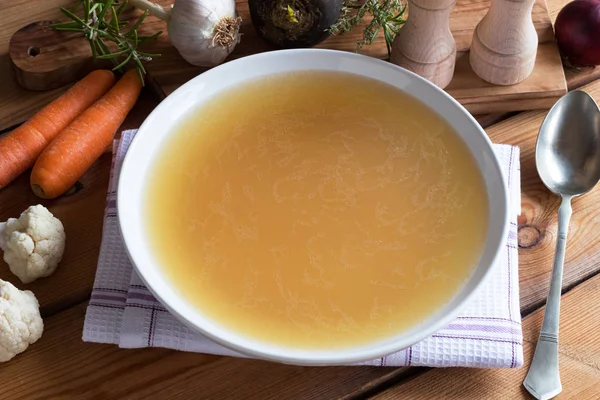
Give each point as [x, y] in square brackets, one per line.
[543, 378]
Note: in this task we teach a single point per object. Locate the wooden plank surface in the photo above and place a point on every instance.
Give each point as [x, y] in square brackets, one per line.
[62, 366]
[537, 238]
[539, 218]
[18, 13]
[537, 232]
[579, 355]
[542, 89]
[82, 214]
[170, 71]
[575, 77]
[16, 103]
[107, 372]
[545, 85]
[102, 371]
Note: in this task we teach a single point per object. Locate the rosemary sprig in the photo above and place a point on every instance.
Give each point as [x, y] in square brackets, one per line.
[99, 23]
[387, 16]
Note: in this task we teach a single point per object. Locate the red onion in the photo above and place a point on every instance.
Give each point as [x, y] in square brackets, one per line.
[577, 31]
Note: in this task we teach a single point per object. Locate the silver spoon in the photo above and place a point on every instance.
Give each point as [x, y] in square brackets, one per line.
[567, 158]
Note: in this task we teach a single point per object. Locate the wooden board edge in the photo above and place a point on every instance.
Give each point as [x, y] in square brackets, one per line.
[519, 101]
[547, 34]
[540, 103]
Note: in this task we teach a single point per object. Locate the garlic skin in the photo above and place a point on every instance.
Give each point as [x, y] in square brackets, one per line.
[204, 32]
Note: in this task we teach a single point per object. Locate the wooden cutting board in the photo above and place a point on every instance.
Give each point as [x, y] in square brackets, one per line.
[546, 84]
[169, 71]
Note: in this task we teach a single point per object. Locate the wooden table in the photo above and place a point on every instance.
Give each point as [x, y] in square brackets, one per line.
[61, 366]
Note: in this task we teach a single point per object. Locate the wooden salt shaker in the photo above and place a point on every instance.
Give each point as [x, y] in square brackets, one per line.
[505, 42]
[425, 44]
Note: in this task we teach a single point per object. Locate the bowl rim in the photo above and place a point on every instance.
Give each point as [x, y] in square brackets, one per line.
[319, 357]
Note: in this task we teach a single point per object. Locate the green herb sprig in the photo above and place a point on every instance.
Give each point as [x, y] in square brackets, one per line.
[387, 16]
[100, 24]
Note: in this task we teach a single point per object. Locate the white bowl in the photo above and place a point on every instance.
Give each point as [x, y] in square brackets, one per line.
[159, 125]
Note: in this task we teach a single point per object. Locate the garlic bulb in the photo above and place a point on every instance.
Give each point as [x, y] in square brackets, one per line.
[204, 32]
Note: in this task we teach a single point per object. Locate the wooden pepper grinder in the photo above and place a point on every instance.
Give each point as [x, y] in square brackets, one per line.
[505, 42]
[425, 44]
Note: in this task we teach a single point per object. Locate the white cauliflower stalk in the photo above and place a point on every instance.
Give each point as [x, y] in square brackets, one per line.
[20, 320]
[33, 244]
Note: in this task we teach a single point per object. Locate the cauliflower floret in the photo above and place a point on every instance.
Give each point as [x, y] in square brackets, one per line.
[20, 320]
[33, 244]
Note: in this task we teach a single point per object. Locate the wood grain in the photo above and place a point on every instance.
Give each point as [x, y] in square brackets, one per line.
[61, 366]
[545, 85]
[97, 371]
[462, 27]
[538, 222]
[45, 59]
[18, 13]
[82, 212]
[554, 7]
[505, 43]
[170, 71]
[540, 91]
[425, 44]
[537, 237]
[575, 77]
[16, 103]
[579, 354]
[465, 15]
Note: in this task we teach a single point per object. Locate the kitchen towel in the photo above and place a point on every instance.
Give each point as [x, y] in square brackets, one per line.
[487, 334]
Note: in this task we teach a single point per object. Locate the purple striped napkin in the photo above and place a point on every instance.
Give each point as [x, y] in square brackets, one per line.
[487, 334]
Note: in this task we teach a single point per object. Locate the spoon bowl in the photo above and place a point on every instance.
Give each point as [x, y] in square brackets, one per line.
[568, 146]
[567, 159]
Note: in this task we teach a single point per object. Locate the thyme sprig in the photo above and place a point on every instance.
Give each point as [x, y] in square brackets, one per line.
[387, 16]
[99, 23]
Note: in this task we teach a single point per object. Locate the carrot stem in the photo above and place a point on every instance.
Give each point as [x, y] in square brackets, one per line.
[81, 143]
[20, 148]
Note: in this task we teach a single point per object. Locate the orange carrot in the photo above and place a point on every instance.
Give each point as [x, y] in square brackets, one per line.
[82, 142]
[20, 148]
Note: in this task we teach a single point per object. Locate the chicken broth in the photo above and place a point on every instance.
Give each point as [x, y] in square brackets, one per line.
[317, 210]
